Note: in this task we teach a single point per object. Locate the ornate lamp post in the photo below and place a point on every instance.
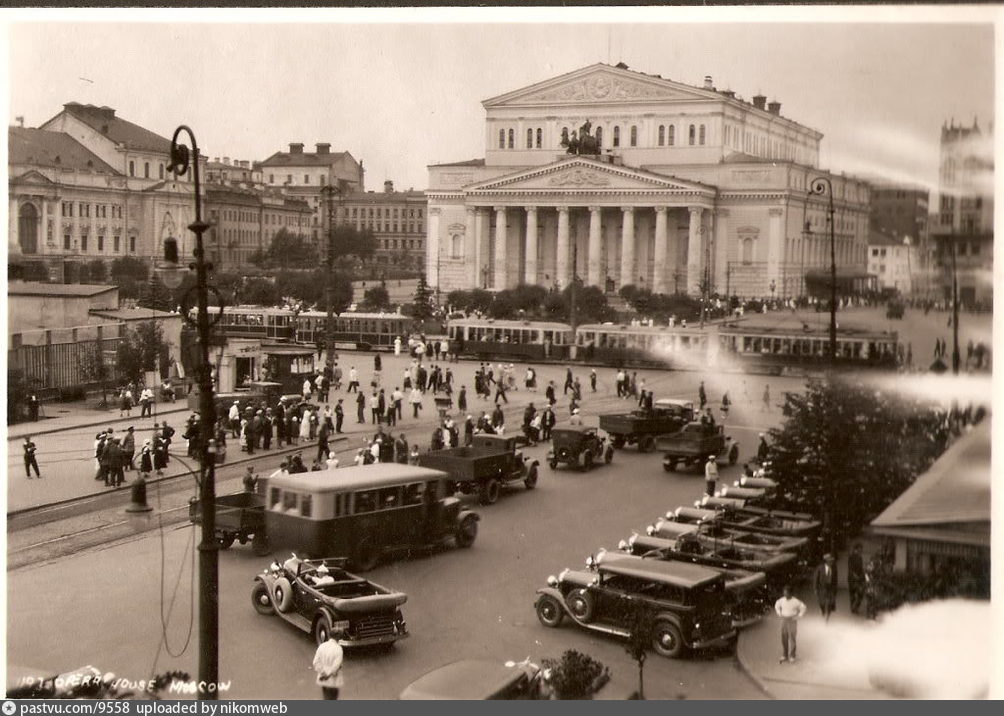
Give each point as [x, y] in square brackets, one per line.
[172, 273]
[822, 185]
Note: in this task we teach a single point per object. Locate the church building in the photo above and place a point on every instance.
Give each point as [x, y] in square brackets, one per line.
[628, 178]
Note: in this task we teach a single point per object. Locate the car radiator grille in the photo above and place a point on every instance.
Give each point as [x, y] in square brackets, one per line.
[373, 625]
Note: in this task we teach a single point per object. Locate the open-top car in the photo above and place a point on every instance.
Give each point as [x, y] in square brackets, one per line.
[716, 533]
[320, 597]
[578, 445]
[685, 603]
[695, 550]
[478, 680]
[744, 507]
[642, 426]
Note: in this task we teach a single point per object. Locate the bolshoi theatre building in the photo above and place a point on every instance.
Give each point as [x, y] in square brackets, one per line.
[630, 178]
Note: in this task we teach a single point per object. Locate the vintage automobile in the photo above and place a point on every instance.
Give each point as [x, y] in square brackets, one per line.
[240, 517]
[692, 549]
[478, 680]
[763, 483]
[578, 445]
[694, 443]
[771, 524]
[641, 427]
[485, 466]
[746, 590]
[320, 597]
[715, 534]
[686, 603]
[746, 507]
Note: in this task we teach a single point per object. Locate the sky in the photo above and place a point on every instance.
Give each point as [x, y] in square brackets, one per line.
[403, 89]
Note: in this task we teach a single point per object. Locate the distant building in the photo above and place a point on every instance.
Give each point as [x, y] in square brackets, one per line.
[239, 173]
[966, 213]
[397, 220]
[306, 176]
[894, 261]
[902, 211]
[244, 220]
[32, 305]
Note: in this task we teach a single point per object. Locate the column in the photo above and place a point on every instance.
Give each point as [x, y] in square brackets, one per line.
[593, 258]
[694, 251]
[722, 251]
[661, 252]
[775, 247]
[530, 277]
[563, 275]
[501, 239]
[627, 247]
[432, 249]
[480, 255]
[471, 266]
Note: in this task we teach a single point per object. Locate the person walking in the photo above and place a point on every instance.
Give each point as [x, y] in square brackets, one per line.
[339, 416]
[856, 578]
[825, 583]
[416, 401]
[266, 430]
[569, 382]
[160, 447]
[547, 421]
[360, 407]
[397, 404]
[129, 448]
[592, 379]
[146, 403]
[711, 476]
[726, 404]
[790, 609]
[328, 666]
[468, 431]
[146, 460]
[322, 443]
[30, 461]
[702, 395]
[462, 399]
[353, 380]
[401, 450]
[500, 392]
[766, 398]
[234, 416]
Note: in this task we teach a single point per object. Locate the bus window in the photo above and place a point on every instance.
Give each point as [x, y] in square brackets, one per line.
[289, 501]
[413, 494]
[305, 505]
[364, 502]
[273, 498]
[389, 497]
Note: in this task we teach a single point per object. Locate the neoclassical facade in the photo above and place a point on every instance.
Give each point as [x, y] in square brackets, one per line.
[692, 187]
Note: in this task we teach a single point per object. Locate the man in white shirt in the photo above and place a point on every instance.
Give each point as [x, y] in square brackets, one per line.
[711, 475]
[328, 665]
[790, 609]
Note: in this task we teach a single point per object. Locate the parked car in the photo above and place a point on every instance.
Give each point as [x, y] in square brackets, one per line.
[578, 445]
[483, 467]
[320, 597]
[478, 680]
[240, 517]
[777, 565]
[641, 427]
[694, 443]
[685, 602]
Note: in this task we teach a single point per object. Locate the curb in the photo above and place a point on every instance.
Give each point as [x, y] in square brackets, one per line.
[93, 424]
[753, 676]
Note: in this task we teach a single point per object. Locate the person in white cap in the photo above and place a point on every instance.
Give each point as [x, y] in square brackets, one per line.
[711, 475]
[576, 418]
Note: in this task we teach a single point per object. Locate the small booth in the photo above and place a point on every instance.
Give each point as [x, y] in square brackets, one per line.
[287, 365]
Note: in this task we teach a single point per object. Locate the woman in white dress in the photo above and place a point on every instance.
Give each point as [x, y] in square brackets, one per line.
[305, 425]
[397, 345]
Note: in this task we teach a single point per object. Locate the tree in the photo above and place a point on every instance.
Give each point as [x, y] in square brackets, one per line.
[260, 292]
[846, 451]
[576, 675]
[288, 250]
[376, 298]
[639, 641]
[129, 267]
[27, 271]
[97, 271]
[421, 306]
[157, 296]
[142, 349]
[350, 241]
[94, 369]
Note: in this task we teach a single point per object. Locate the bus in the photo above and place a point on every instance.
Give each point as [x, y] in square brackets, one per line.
[366, 512]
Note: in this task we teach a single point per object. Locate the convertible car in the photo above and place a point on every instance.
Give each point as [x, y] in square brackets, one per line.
[320, 597]
[479, 680]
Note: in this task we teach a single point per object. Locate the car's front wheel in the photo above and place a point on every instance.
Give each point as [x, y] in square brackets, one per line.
[549, 611]
[553, 464]
[467, 531]
[262, 600]
[587, 460]
[490, 491]
[531, 478]
[581, 605]
[667, 639]
[322, 628]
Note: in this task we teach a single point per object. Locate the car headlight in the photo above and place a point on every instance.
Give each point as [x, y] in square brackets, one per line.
[623, 546]
[590, 562]
[552, 581]
[650, 530]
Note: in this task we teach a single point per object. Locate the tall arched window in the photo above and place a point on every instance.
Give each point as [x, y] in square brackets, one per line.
[747, 251]
[540, 136]
[501, 139]
[692, 134]
[672, 135]
[599, 136]
[512, 139]
[634, 136]
[662, 134]
[617, 136]
[703, 134]
[529, 139]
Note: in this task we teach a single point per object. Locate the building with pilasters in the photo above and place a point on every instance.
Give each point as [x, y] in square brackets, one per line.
[692, 187]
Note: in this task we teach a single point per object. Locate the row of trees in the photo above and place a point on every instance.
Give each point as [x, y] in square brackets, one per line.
[535, 303]
[289, 251]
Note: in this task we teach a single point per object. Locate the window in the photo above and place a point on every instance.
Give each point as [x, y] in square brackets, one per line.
[160, 171]
[634, 136]
[512, 139]
[66, 242]
[132, 169]
[702, 135]
[101, 243]
[83, 242]
[289, 178]
[540, 136]
[271, 178]
[747, 251]
[691, 135]
[662, 135]
[117, 241]
[617, 136]
[413, 494]
[365, 501]
[132, 244]
[146, 170]
[306, 178]
[874, 252]
[599, 136]
[529, 139]
[306, 505]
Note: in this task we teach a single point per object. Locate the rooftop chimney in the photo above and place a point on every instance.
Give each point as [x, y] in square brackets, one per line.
[729, 93]
[323, 148]
[759, 101]
[774, 107]
[216, 160]
[708, 84]
[388, 187]
[295, 148]
[226, 160]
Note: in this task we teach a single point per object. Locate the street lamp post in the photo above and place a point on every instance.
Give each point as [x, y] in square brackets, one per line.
[822, 185]
[329, 338]
[181, 160]
[707, 267]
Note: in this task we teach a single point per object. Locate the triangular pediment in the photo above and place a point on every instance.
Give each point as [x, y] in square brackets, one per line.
[599, 84]
[34, 177]
[579, 173]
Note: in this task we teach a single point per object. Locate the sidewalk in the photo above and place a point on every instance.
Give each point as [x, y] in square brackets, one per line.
[830, 664]
[69, 416]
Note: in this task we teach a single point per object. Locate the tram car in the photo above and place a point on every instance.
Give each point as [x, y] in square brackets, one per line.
[488, 339]
[750, 346]
[643, 345]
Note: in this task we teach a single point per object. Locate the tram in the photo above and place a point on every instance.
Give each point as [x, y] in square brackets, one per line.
[765, 346]
[643, 345]
[488, 338]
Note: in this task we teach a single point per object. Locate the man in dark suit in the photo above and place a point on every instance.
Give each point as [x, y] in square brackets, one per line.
[856, 577]
[825, 582]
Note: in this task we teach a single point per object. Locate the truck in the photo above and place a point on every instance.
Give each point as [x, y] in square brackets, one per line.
[642, 427]
[484, 466]
[239, 517]
[694, 443]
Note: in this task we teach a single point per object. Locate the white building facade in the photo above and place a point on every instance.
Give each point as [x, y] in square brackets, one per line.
[692, 188]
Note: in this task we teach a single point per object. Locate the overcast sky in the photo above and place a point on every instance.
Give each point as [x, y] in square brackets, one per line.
[401, 96]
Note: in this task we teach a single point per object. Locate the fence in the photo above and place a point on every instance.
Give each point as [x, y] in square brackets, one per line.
[51, 360]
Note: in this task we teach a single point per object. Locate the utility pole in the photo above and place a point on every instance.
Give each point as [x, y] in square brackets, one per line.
[572, 309]
[956, 358]
[329, 264]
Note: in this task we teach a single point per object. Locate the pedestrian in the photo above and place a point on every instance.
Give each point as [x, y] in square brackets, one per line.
[702, 395]
[825, 583]
[339, 416]
[577, 389]
[592, 379]
[250, 480]
[569, 383]
[129, 448]
[500, 392]
[146, 402]
[547, 421]
[308, 389]
[30, 462]
[766, 397]
[397, 345]
[353, 380]
[397, 403]
[146, 459]
[711, 476]
[856, 577]
[498, 420]
[416, 401]
[550, 393]
[413, 455]
[621, 383]
[790, 609]
[125, 403]
[462, 399]
[468, 431]
[322, 443]
[292, 427]
[726, 404]
[328, 665]
[160, 454]
[113, 459]
[360, 407]
[763, 450]
[401, 450]
[576, 417]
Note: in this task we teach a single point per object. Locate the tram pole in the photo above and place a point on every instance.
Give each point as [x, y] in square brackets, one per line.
[822, 185]
[573, 308]
[329, 264]
[956, 357]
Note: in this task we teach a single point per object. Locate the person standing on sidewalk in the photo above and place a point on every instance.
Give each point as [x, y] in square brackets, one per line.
[711, 476]
[790, 609]
[825, 583]
[856, 577]
[29, 458]
[339, 416]
[328, 665]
